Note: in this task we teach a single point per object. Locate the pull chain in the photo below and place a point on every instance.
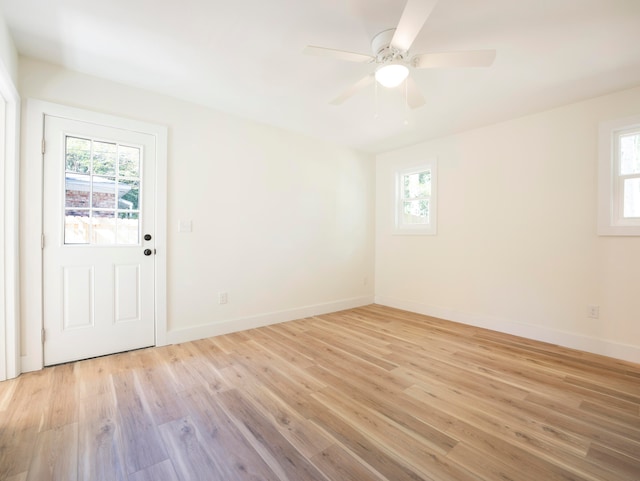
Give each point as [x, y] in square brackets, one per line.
[375, 114]
[406, 101]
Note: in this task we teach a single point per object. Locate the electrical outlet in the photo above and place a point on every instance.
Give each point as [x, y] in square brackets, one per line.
[223, 298]
[593, 312]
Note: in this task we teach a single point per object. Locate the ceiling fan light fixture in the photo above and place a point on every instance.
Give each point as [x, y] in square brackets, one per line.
[392, 74]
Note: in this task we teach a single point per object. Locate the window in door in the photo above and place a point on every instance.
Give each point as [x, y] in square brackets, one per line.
[102, 192]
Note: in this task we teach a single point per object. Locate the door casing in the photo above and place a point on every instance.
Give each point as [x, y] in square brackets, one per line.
[9, 209]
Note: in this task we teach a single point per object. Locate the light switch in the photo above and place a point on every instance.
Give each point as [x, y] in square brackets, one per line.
[185, 226]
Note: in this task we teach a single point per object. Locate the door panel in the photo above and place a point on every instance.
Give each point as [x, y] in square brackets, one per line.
[127, 293]
[99, 191]
[78, 295]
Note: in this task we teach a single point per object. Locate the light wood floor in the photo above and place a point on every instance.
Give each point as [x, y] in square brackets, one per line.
[366, 394]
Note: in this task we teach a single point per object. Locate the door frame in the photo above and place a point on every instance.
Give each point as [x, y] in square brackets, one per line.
[32, 225]
[9, 209]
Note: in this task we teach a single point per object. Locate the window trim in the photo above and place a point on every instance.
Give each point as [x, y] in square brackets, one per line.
[415, 229]
[610, 221]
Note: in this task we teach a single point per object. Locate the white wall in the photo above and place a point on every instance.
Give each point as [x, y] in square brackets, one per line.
[8, 52]
[517, 249]
[283, 223]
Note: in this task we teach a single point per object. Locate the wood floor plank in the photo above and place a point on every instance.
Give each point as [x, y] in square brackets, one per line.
[493, 410]
[55, 455]
[158, 472]
[7, 388]
[291, 424]
[176, 359]
[269, 364]
[99, 454]
[624, 438]
[558, 457]
[488, 467]
[139, 434]
[157, 384]
[20, 423]
[17, 477]
[390, 437]
[619, 463]
[268, 341]
[94, 377]
[205, 370]
[612, 413]
[277, 451]
[223, 441]
[337, 463]
[365, 450]
[372, 393]
[285, 337]
[213, 354]
[62, 407]
[185, 447]
[424, 421]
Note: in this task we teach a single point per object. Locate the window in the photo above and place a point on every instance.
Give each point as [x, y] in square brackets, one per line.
[415, 199]
[102, 187]
[619, 177]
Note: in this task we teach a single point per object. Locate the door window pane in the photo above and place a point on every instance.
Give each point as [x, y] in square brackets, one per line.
[128, 224]
[128, 192]
[104, 158]
[102, 192]
[77, 190]
[76, 227]
[78, 155]
[103, 225]
[129, 159]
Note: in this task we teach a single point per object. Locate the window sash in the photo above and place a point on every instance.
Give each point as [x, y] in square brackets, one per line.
[402, 226]
[619, 189]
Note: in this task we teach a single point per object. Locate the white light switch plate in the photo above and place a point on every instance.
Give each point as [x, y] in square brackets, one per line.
[185, 226]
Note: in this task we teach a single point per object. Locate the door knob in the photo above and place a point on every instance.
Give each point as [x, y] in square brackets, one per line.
[147, 252]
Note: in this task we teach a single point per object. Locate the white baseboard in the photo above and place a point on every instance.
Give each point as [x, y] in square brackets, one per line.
[603, 347]
[242, 324]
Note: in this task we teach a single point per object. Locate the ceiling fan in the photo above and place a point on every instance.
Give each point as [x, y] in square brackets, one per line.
[393, 60]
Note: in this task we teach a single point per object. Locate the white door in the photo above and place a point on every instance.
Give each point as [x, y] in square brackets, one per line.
[98, 226]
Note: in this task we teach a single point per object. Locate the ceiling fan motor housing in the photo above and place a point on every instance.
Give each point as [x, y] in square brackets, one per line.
[382, 49]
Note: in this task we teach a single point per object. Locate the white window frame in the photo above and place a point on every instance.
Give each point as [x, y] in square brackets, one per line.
[401, 228]
[610, 190]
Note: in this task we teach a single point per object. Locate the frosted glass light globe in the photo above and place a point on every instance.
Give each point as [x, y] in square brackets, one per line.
[392, 74]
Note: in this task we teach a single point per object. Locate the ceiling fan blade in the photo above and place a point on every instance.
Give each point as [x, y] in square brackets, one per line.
[359, 85]
[413, 17]
[414, 96]
[469, 58]
[339, 54]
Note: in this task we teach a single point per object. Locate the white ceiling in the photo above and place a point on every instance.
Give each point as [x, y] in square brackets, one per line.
[245, 57]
